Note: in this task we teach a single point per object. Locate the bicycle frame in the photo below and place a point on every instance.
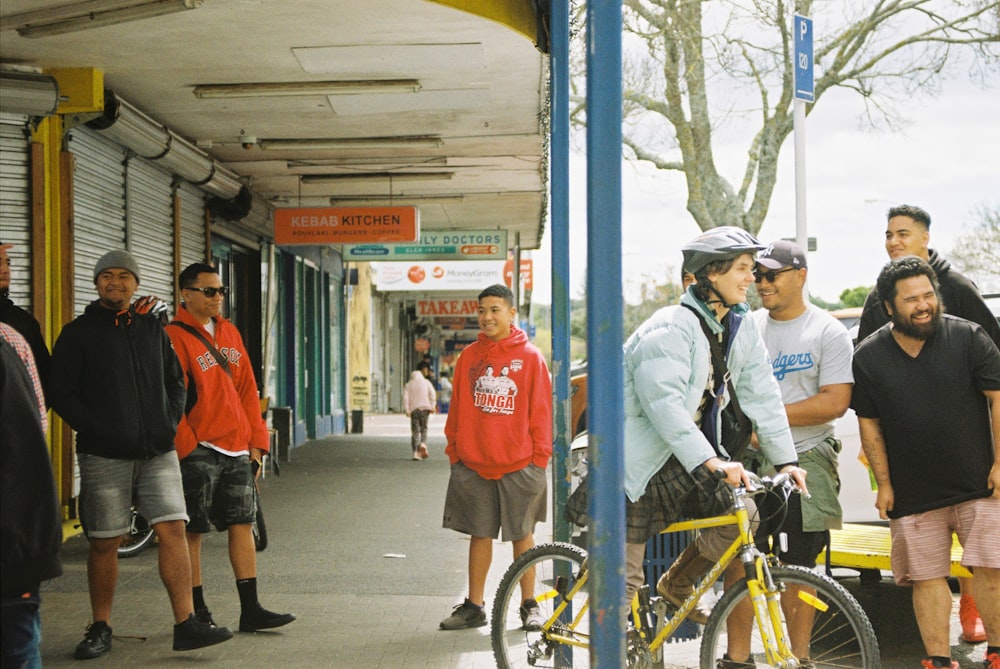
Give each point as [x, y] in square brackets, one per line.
[763, 593]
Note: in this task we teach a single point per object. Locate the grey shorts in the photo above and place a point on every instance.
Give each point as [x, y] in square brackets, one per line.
[485, 507]
[109, 487]
[218, 490]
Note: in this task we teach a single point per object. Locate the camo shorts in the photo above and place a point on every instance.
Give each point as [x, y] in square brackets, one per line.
[218, 490]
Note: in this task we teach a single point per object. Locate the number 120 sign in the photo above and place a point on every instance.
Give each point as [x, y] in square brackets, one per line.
[803, 30]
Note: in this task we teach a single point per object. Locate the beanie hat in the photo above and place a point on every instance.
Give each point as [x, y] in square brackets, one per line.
[117, 259]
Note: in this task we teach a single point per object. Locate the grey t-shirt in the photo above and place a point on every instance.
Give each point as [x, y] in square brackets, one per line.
[808, 352]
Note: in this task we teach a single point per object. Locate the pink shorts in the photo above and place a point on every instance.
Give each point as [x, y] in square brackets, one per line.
[921, 543]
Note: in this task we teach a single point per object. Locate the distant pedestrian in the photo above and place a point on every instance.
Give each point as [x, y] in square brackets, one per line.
[419, 400]
[927, 396]
[444, 394]
[117, 382]
[499, 444]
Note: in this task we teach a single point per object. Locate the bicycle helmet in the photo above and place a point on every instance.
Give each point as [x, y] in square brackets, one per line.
[154, 306]
[719, 243]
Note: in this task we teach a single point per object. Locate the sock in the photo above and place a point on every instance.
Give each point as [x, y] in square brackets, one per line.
[247, 587]
[940, 661]
[199, 597]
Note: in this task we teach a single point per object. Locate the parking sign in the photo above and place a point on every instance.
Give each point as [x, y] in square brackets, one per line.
[803, 29]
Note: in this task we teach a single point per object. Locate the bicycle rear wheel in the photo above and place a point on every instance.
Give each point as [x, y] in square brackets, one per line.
[140, 536]
[838, 635]
[553, 570]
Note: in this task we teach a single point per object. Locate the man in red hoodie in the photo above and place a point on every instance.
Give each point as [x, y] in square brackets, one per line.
[499, 433]
[220, 439]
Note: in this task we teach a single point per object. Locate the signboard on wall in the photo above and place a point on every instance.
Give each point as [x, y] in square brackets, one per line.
[345, 225]
[435, 245]
[470, 275]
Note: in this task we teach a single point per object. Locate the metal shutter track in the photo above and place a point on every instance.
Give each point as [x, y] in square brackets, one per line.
[192, 225]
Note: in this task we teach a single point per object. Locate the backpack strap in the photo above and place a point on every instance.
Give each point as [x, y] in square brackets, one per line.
[219, 358]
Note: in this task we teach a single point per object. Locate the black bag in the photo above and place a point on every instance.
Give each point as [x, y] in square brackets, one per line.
[736, 427]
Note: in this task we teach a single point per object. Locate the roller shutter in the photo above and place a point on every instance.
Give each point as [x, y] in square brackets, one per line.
[99, 207]
[192, 240]
[149, 211]
[15, 204]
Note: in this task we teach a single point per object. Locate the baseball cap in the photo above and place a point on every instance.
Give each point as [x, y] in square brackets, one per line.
[782, 253]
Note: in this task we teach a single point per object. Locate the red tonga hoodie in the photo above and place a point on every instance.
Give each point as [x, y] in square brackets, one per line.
[500, 419]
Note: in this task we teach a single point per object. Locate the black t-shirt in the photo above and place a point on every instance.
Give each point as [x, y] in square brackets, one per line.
[934, 417]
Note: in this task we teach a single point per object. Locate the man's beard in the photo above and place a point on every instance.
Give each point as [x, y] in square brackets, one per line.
[923, 331]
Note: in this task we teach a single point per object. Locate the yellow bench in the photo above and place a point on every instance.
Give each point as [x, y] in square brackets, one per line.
[858, 546]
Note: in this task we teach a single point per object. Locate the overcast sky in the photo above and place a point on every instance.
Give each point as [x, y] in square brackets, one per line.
[946, 160]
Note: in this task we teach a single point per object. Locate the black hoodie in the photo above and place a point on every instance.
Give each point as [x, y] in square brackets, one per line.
[117, 381]
[959, 297]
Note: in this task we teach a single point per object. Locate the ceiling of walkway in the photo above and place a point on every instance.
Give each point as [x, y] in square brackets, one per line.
[444, 109]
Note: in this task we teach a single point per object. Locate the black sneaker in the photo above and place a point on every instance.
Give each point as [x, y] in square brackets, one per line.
[204, 616]
[96, 642]
[192, 633]
[726, 663]
[464, 616]
[262, 619]
[531, 616]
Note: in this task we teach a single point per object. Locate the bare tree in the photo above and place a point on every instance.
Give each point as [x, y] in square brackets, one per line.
[977, 252]
[692, 66]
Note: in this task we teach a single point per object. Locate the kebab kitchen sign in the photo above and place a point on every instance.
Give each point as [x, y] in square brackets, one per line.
[345, 225]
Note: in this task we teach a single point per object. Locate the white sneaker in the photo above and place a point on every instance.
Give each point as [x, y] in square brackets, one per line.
[416, 456]
[423, 452]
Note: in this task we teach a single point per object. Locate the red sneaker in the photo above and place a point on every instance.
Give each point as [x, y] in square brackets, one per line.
[992, 661]
[972, 624]
[929, 664]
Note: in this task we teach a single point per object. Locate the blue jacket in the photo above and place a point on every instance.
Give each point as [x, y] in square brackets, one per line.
[667, 364]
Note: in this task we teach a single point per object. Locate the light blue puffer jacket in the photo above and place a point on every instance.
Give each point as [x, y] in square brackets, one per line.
[667, 363]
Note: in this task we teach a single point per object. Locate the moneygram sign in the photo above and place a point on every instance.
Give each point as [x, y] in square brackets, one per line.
[345, 225]
[471, 275]
[436, 245]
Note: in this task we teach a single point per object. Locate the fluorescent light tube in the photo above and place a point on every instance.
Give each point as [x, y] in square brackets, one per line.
[291, 88]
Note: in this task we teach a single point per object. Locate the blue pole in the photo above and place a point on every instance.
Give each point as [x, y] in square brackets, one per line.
[605, 404]
[559, 168]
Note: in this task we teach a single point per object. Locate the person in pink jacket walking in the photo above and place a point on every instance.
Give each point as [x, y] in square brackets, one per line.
[419, 402]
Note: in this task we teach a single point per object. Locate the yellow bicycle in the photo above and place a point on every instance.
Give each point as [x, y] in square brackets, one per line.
[830, 629]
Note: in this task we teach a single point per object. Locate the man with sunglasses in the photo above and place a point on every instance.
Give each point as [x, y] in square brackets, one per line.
[810, 353]
[116, 381]
[220, 439]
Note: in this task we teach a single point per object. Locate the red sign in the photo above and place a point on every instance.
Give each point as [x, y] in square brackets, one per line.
[345, 225]
[447, 307]
[526, 270]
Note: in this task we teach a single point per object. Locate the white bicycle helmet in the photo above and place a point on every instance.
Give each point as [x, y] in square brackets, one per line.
[720, 243]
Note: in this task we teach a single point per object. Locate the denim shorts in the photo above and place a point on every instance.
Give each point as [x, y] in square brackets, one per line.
[218, 490]
[109, 487]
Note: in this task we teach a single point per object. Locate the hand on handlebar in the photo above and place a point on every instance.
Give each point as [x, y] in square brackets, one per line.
[799, 476]
[732, 473]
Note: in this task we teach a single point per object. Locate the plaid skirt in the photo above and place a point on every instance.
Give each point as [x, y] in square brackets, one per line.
[671, 495]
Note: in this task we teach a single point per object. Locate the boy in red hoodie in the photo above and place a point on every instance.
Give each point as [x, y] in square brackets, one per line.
[499, 433]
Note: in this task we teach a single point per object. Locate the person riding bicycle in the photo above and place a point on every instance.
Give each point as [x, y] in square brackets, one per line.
[671, 451]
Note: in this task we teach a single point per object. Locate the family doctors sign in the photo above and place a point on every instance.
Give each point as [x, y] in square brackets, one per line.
[345, 225]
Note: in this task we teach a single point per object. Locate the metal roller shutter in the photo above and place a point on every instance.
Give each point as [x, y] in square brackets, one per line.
[192, 225]
[15, 204]
[149, 211]
[99, 204]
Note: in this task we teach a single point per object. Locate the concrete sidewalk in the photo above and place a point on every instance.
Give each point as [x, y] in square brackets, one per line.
[358, 553]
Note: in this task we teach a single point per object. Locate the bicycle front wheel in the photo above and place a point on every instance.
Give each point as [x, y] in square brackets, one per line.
[822, 622]
[139, 537]
[552, 573]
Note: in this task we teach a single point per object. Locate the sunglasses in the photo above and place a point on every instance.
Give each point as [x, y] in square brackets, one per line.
[759, 276]
[211, 291]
